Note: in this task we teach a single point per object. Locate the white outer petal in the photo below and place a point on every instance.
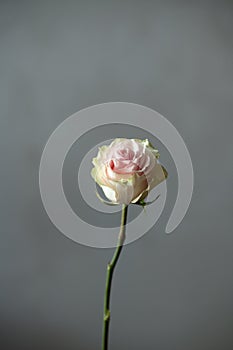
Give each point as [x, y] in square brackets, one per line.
[109, 193]
[125, 192]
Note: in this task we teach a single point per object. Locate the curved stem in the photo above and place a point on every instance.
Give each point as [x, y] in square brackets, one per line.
[110, 270]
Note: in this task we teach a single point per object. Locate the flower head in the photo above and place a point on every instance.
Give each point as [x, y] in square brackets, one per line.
[127, 170]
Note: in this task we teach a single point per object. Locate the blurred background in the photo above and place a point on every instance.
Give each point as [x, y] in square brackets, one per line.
[170, 291]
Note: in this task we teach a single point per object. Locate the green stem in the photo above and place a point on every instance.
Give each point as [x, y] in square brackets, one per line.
[110, 270]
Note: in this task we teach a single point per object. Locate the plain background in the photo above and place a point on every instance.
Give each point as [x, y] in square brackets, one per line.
[57, 57]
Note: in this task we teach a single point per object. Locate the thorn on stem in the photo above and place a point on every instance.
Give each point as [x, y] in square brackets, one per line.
[107, 315]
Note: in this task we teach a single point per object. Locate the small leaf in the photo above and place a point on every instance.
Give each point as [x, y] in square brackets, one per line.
[143, 203]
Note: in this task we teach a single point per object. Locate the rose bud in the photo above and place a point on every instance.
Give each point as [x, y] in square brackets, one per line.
[127, 170]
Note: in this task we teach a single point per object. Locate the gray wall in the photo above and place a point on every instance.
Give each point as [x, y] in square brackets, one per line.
[57, 57]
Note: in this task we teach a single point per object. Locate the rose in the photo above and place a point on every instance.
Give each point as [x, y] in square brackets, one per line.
[127, 170]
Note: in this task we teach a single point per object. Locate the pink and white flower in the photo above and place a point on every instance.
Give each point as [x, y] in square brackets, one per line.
[127, 170]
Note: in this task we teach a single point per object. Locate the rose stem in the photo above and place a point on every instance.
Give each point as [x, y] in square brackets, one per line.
[110, 270]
